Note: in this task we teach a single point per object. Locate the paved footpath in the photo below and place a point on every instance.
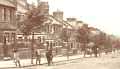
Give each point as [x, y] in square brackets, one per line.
[27, 62]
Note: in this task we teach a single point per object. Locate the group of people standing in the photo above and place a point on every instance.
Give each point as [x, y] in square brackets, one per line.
[49, 56]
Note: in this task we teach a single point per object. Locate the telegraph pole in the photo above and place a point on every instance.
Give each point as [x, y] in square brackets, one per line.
[32, 48]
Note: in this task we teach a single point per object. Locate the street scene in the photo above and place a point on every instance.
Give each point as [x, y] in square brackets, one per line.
[86, 63]
[39, 34]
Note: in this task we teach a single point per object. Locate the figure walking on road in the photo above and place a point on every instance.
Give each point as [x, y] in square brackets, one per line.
[38, 56]
[17, 58]
[49, 57]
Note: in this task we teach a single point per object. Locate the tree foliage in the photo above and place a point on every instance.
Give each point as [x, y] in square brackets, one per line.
[83, 34]
[64, 35]
[100, 39]
[35, 18]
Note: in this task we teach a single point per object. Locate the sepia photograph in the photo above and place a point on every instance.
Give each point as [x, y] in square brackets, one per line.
[59, 34]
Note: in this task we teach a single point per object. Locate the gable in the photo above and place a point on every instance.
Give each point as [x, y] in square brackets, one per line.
[53, 20]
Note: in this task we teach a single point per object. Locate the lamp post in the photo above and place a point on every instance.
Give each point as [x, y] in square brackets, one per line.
[66, 50]
[32, 48]
[67, 45]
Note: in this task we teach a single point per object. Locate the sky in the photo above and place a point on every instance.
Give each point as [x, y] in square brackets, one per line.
[102, 14]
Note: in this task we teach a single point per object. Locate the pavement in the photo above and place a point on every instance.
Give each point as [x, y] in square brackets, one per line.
[27, 62]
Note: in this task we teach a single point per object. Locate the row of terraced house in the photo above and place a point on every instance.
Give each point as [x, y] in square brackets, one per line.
[13, 12]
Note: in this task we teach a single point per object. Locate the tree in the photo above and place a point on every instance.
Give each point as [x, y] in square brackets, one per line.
[64, 36]
[108, 44]
[83, 37]
[35, 18]
[102, 41]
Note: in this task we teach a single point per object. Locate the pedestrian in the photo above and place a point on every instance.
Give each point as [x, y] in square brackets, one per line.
[49, 57]
[16, 58]
[38, 56]
[95, 51]
[14, 55]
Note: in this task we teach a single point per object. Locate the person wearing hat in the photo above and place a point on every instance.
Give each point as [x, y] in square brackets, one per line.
[49, 57]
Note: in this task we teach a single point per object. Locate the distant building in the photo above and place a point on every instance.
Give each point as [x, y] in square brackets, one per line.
[44, 7]
[75, 23]
[58, 14]
[22, 7]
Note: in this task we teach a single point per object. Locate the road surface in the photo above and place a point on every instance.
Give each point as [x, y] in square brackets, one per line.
[106, 62]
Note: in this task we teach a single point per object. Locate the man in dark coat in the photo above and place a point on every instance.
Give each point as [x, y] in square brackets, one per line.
[95, 51]
[49, 57]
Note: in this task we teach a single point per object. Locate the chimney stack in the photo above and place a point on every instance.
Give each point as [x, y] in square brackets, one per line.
[58, 14]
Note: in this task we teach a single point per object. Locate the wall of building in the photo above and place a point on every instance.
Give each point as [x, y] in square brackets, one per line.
[7, 14]
[7, 26]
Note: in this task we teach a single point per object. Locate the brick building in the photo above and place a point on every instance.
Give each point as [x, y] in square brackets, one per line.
[7, 26]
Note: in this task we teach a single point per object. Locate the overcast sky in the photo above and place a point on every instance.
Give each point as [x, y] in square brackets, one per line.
[103, 14]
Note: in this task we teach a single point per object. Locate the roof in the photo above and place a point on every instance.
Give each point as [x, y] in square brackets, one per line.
[22, 6]
[6, 3]
[62, 22]
[7, 27]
